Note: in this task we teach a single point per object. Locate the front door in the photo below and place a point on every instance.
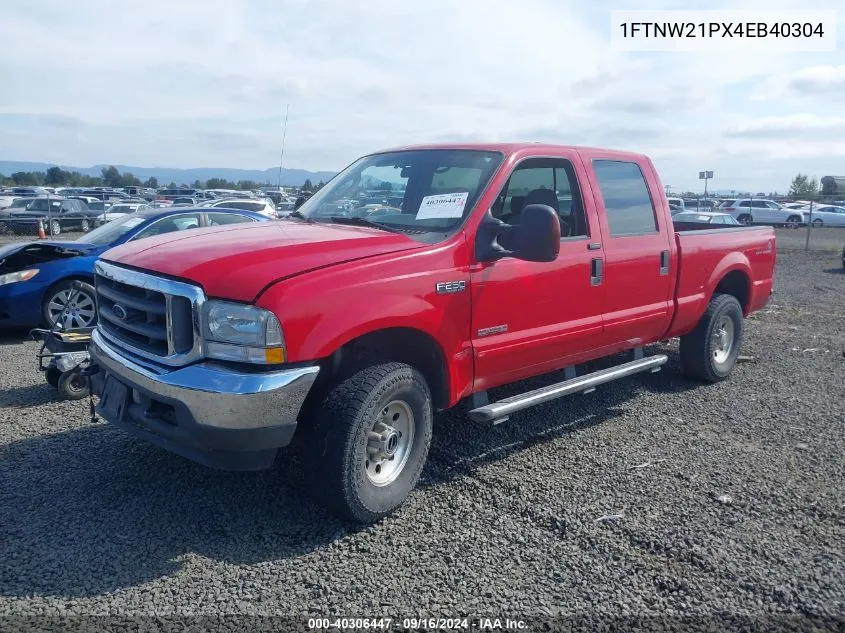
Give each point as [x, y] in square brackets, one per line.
[529, 317]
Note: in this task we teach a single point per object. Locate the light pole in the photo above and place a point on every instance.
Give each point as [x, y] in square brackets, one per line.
[705, 176]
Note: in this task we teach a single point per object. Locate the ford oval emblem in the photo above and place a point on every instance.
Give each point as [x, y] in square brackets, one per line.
[119, 311]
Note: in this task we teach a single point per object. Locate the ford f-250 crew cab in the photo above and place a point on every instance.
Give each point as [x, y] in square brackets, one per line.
[354, 320]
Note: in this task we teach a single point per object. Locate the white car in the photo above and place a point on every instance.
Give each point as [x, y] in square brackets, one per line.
[264, 207]
[6, 201]
[826, 215]
[759, 211]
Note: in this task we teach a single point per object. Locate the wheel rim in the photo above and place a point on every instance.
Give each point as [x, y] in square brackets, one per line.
[85, 226]
[80, 312]
[55, 229]
[792, 221]
[817, 222]
[76, 383]
[389, 443]
[723, 340]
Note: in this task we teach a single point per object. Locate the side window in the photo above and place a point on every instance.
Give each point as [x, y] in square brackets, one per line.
[219, 219]
[170, 224]
[759, 204]
[744, 203]
[626, 199]
[549, 181]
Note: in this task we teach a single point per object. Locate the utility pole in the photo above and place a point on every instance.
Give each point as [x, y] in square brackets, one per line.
[668, 187]
[282, 155]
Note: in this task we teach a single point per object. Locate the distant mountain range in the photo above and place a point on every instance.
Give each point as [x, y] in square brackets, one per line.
[167, 175]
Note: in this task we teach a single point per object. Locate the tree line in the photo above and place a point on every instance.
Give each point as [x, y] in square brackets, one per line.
[111, 177]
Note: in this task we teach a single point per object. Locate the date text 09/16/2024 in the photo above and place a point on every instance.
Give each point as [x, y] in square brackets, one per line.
[417, 624]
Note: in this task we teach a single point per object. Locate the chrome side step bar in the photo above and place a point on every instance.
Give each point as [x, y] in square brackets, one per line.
[499, 411]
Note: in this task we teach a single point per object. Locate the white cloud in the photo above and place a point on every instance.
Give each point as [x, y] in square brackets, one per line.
[205, 84]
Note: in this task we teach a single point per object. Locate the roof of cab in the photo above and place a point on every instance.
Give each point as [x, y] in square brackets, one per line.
[511, 148]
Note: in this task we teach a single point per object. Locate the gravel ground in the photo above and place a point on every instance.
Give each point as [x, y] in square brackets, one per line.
[723, 499]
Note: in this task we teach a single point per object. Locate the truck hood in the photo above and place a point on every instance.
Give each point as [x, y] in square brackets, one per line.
[239, 261]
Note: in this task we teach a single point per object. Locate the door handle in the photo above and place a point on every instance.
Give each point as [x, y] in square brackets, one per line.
[664, 263]
[594, 246]
[596, 271]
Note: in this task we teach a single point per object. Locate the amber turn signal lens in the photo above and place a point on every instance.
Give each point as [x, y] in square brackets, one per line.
[274, 355]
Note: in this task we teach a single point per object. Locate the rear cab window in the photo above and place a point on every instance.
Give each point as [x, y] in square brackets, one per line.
[627, 202]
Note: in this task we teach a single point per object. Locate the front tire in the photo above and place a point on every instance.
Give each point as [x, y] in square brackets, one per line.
[55, 227]
[710, 351]
[793, 222]
[370, 440]
[818, 223]
[85, 226]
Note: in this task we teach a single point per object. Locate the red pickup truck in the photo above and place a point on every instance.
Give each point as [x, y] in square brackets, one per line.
[417, 279]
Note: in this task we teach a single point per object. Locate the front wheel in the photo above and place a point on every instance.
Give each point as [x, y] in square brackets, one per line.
[818, 223]
[85, 226]
[710, 351]
[55, 227]
[745, 219]
[793, 222]
[370, 440]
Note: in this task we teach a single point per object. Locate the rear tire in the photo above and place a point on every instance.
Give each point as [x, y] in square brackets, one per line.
[745, 219]
[352, 469]
[710, 351]
[85, 226]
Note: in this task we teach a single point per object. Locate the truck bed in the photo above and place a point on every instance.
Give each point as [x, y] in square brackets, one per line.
[713, 259]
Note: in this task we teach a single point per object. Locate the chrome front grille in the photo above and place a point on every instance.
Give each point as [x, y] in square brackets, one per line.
[153, 317]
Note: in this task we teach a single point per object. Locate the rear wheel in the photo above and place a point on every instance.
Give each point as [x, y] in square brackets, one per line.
[81, 311]
[745, 219]
[85, 226]
[370, 440]
[710, 351]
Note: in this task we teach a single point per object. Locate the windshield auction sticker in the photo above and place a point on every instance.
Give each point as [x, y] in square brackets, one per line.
[444, 205]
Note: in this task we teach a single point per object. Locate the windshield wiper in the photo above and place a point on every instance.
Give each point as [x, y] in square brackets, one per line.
[297, 214]
[356, 221]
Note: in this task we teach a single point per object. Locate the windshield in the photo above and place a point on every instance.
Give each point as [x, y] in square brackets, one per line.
[416, 191]
[108, 233]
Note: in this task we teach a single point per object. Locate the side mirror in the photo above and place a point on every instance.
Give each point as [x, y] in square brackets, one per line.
[538, 234]
[535, 239]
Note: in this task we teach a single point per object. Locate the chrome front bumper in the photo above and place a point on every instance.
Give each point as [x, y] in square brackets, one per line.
[212, 411]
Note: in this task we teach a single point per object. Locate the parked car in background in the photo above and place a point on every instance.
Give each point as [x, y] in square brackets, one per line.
[703, 217]
[678, 202]
[119, 210]
[185, 202]
[170, 194]
[27, 192]
[6, 201]
[826, 215]
[55, 214]
[264, 207]
[104, 194]
[759, 211]
[36, 277]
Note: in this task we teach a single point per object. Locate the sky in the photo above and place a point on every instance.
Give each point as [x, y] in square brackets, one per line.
[205, 83]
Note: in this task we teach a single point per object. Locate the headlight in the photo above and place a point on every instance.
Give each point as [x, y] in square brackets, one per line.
[23, 275]
[245, 333]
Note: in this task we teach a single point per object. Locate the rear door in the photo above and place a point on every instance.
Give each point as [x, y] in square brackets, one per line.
[637, 248]
[533, 317]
